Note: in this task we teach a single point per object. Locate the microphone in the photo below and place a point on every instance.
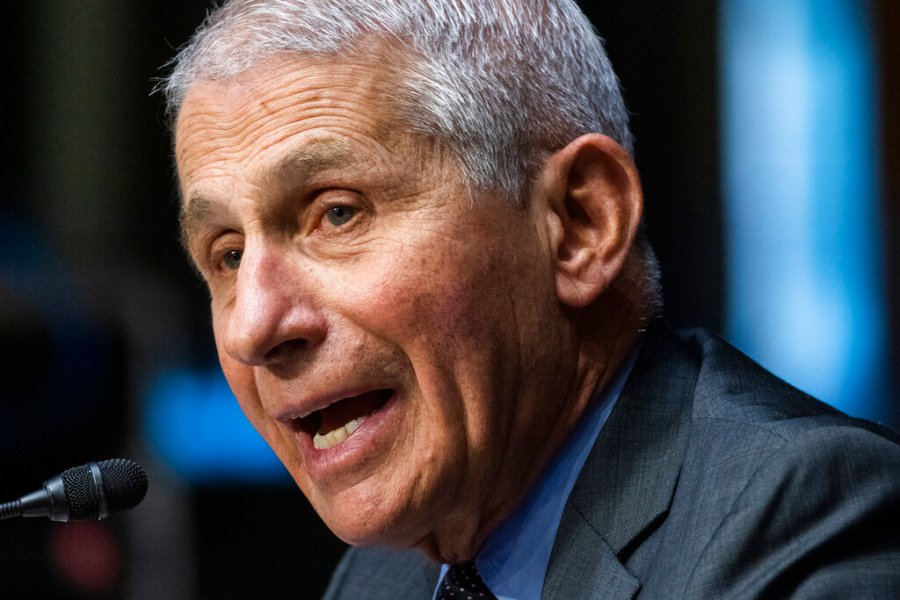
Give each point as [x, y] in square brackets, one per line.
[92, 491]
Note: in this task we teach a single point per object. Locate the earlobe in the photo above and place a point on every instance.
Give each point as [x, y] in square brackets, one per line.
[595, 201]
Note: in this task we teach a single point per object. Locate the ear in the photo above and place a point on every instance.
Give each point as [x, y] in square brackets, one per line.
[593, 195]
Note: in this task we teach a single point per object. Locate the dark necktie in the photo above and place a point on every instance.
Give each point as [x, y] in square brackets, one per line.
[462, 582]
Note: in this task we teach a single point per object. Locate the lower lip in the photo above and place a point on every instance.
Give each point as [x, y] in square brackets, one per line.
[372, 436]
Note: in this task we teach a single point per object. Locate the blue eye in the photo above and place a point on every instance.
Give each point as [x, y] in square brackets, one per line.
[340, 215]
[232, 259]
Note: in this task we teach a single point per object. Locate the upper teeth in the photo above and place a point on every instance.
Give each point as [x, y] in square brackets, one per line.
[323, 441]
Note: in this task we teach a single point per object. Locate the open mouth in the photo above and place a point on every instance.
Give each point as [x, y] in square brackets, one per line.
[339, 420]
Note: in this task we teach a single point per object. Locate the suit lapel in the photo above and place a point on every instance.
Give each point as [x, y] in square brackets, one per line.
[584, 566]
[628, 480]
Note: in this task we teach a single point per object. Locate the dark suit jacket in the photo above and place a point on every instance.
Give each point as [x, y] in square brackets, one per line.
[711, 479]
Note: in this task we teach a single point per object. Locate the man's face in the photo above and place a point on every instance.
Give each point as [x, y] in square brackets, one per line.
[394, 339]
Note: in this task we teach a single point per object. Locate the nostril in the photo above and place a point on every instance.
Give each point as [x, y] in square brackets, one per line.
[285, 349]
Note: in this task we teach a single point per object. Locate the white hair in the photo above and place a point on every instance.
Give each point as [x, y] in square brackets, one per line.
[499, 84]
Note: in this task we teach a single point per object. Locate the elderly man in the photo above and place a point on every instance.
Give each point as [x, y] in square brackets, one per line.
[419, 221]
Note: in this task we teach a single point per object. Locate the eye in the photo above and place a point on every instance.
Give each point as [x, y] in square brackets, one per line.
[232, 259]
[340, 215]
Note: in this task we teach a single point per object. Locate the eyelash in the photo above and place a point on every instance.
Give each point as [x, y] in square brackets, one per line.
[338, 212]
[335, 207]
[230, 255]
[219, 256]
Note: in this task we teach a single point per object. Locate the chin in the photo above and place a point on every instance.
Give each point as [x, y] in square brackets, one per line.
[361, 528]
[361, 520]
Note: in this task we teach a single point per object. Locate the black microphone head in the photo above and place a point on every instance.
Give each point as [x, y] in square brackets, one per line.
[82, 495]
[124, 482]
[124, 486]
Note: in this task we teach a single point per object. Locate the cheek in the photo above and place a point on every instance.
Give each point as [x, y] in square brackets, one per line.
[241, 381]
[451, 317]
[436, 298]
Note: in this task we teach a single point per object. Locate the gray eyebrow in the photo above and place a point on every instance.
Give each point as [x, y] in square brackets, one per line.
[194, 211]
[306, 162]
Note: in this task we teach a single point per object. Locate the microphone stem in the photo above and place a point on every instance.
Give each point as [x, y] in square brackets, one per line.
[9, 510]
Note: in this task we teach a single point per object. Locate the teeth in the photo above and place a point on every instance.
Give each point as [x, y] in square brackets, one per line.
[333, 438]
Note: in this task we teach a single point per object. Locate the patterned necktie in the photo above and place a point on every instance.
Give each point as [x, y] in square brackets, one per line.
[462, 582]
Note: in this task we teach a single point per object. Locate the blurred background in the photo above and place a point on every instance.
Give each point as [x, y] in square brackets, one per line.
[768, 135]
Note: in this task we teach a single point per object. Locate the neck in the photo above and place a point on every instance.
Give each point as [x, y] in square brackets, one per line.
[604, 335]
[608, 330]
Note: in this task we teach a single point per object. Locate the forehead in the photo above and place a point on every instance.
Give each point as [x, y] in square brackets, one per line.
[287, 101]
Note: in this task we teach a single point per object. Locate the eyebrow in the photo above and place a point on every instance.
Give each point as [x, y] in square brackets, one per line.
[192, 214]
[309, 161]
[297, 166]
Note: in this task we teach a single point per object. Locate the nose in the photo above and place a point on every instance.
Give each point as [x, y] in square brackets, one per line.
[271, 313]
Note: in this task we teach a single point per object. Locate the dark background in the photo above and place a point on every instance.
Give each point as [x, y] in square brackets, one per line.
[96, 296]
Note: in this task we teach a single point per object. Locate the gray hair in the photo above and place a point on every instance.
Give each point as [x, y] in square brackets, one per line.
[499, 84]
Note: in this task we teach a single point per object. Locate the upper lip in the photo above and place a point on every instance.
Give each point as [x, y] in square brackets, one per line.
[304, 407]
